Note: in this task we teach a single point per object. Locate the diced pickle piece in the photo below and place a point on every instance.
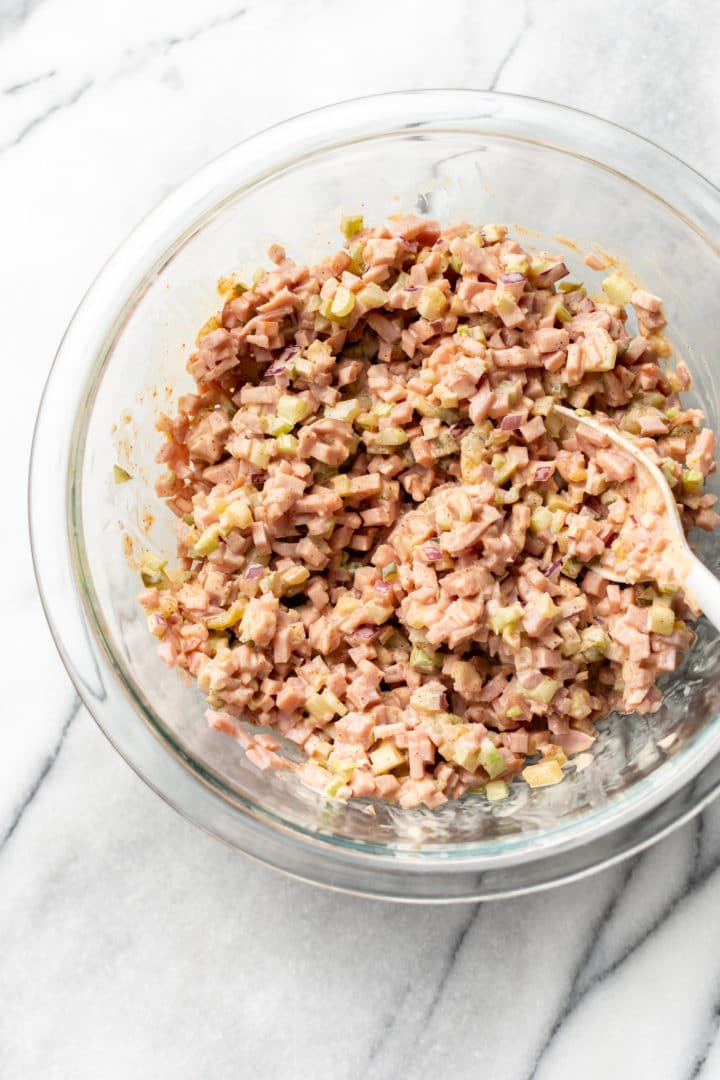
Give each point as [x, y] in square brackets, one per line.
[571, 568]
[545, 690]
[229, 618]
[492, 759]
[541, 519]
[432, 303]
[294, 409]
[391, 436]
[544, 774]
[505, 616]
[278, 425]
[425, 661]
[351, 224]
[617, 289]
[287, 444]
[594, 643]
[372, 296]
[325, 706]
[207, 328]
[342, 303]
[344, 410]
[386, 758]
[152, 569]
[237, 515]
[427, 699]
[207, 541]
[661, 619]
[120, 475]
[496, 790]
[693, 481]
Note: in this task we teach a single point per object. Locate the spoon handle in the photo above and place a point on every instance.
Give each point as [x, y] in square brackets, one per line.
[706, 589]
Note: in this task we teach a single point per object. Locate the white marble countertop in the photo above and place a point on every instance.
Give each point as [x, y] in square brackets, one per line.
[130, 943]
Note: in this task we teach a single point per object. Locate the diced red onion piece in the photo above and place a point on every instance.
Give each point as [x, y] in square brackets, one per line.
[254, 570]
[511, 422]
[457, 429]
[513, 278]
[611, 539]
[437, 325]
[383, 587]
[257, 477]
[432, 554]
[543, 473]
[365, 633]
[552, 568]
[553, 273]
[277, 367]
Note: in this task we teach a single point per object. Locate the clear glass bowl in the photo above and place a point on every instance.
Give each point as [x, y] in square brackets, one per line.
[450, 154]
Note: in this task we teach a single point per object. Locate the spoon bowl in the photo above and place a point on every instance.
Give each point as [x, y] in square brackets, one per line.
[683, 569]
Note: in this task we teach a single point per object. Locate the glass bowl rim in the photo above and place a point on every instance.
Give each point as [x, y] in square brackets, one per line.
[114, 293]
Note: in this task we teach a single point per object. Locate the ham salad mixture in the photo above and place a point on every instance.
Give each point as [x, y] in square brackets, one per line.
[386, 536]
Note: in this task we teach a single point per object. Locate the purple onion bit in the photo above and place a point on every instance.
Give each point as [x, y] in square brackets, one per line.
[382, 587]
[513, 278]
[552, 568]
[432, 554]
[553, 273]
[367, 633]
[254, 570]
[437, 325]
[611, 539]
[277, 367]
[511, 422]
[543, 473]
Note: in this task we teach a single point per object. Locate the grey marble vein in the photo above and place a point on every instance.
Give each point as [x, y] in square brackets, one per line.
[527, 22]
[172, 40]
[573, 995]
[378, 1044]
[162, 45]
[33, 80]
[456, 945]
[42, 775]
[618, 937]
[37, 121]
[698, 1066]
[582, 988]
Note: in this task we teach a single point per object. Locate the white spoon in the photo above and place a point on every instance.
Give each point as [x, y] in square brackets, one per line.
[698, 582]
